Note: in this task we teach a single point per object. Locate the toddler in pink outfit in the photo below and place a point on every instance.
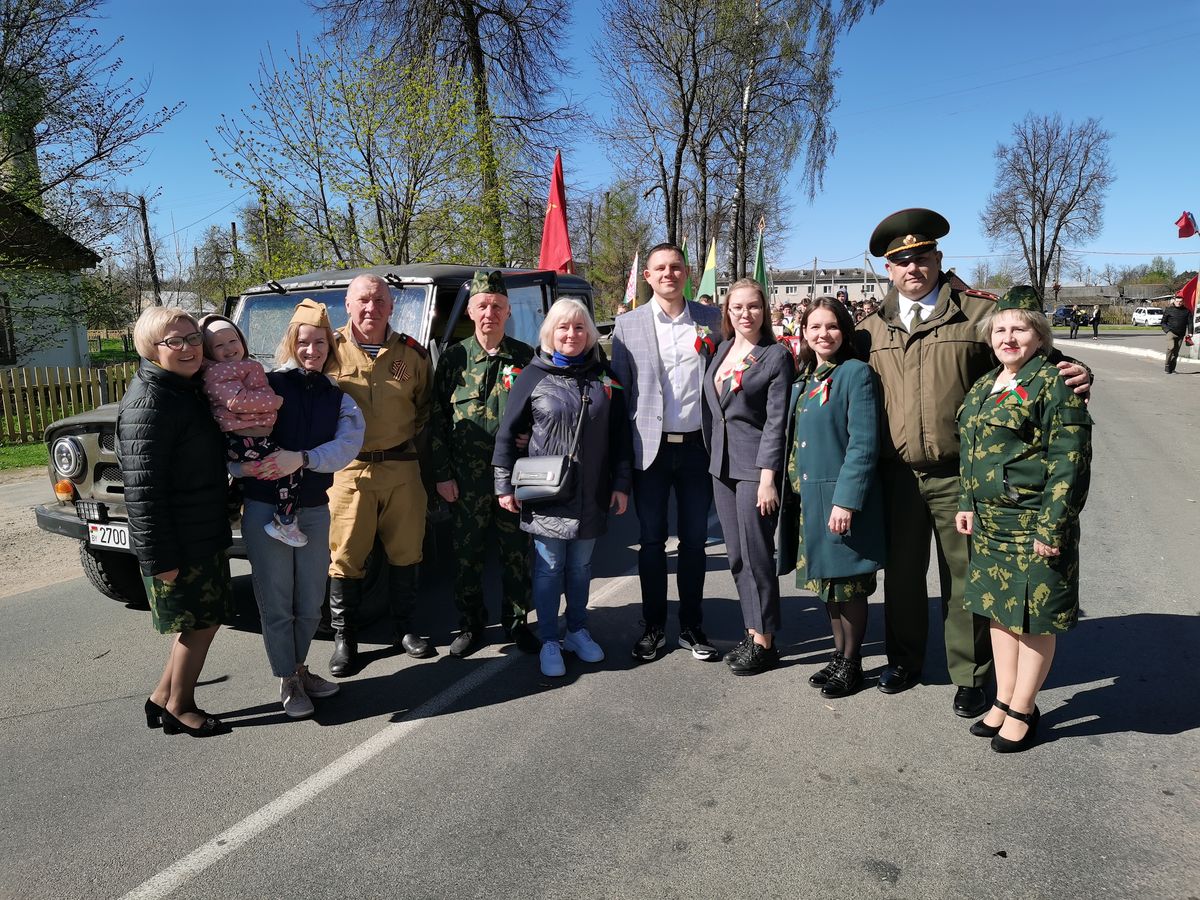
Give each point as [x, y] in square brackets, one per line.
[245, 408]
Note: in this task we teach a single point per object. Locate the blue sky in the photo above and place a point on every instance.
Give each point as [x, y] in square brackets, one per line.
[927, 90]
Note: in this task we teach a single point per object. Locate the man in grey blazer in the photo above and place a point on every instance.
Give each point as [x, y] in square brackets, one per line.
[659, 352]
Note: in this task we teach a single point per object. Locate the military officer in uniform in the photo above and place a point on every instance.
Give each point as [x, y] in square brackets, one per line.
[470, 392]
[924, 345]
[380, 493]
[1026, 462]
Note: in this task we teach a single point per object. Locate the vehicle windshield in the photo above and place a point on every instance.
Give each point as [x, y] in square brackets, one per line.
[264, 317]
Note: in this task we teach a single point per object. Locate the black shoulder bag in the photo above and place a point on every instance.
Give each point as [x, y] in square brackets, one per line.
[537, 479]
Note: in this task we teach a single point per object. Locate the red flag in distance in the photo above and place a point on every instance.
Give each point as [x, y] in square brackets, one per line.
[1186, 225]
[556, 243]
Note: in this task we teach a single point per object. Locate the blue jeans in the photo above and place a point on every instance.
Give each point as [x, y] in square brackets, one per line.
[559, 567]
[684, 469]
[289, 582]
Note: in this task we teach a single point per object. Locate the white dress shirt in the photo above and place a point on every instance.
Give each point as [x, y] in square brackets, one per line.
[926, 303]
[682, 369]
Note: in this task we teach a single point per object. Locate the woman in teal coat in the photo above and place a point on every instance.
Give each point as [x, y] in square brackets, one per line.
[832, 469]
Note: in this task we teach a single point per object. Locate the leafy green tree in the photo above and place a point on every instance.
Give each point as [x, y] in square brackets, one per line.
[623, 230]
[72, 124]
[506, 52]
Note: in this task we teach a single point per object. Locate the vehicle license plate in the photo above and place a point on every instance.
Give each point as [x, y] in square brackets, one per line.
[111, 534]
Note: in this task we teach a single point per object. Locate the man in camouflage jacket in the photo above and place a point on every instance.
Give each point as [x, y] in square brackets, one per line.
[470, 391]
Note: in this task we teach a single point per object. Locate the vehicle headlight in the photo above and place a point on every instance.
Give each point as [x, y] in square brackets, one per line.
[68, 456]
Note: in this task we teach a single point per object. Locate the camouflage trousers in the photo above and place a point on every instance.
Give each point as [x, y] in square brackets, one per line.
[479, 522]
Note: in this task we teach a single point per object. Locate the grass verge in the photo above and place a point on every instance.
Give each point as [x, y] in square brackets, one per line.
[21, 456]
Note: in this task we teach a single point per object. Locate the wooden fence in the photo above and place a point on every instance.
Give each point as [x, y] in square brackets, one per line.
[33, 397]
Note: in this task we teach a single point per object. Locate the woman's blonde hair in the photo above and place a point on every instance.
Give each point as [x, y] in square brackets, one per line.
[564, 310]
[152, 324]
[286, 351]
[1035, 320]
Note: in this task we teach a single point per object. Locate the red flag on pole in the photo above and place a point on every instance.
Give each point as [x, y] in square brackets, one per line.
[556, 243]
[1186, 225]
[1188, 294]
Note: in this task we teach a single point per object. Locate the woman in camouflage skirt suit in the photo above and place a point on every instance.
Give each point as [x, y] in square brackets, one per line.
[1026, 459]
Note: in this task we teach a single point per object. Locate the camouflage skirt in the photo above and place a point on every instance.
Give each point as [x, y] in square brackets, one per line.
[200, 597]
[1010, 584]
[840, 590]
[831, 590]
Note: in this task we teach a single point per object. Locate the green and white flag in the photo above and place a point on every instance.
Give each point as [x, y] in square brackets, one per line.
[687, 285]
[708, 281]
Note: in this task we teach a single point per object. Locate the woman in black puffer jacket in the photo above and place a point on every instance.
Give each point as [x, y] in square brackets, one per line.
[172, 459]
[546, 399]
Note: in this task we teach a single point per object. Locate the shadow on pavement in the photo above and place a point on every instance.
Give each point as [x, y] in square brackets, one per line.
[1152, 659]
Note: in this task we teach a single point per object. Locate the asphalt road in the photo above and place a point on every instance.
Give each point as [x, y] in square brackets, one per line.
[480, 778]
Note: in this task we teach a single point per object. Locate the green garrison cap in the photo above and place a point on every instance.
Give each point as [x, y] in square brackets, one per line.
[1022, 296]
[485, 282]
[908, 233]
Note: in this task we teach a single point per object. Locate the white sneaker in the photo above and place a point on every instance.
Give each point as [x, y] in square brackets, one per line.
[295, 702]
[552, 661]
[581, 644]
[316, 686]
[289, 533]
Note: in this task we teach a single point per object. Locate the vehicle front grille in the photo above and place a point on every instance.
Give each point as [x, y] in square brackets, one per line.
[108, 441]
[108, 478]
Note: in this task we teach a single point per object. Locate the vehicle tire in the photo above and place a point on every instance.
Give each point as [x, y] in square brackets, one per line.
[115, 575]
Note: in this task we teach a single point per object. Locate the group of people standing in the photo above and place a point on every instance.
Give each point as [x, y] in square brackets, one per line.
[846, 461]
[1077, 318]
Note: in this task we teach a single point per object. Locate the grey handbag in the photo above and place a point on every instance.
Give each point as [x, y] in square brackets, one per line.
[536, 479]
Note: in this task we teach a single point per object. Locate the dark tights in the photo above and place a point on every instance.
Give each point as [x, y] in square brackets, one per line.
[848, 620]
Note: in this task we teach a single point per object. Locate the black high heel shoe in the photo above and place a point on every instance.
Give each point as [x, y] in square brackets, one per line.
[1004, 745]
[154, 714]
[211, 727]
[981, 729]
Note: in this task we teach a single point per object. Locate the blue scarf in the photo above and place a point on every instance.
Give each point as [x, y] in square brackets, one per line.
[560, 360]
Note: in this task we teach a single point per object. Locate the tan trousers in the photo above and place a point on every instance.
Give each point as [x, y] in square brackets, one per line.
[368, 499]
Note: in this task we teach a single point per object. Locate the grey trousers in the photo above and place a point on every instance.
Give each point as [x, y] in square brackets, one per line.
[750, 545]
[289, 582]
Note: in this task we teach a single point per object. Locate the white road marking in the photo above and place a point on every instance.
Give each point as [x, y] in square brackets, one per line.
[172, 878]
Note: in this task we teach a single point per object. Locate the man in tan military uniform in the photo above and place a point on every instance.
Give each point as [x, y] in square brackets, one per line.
[925, 346]
[380, 492]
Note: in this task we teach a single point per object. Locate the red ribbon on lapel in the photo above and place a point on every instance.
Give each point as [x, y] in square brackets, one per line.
[1020, 392]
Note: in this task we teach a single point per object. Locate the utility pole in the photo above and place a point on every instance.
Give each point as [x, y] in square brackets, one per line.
[149, 251]
[262, 207]
[233, 248]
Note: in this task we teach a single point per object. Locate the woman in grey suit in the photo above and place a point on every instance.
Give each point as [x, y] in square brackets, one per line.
[745, 424]
[831, 469]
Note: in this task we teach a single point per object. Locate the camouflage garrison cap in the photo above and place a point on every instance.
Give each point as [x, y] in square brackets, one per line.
[485, 282]
[907, 234]
[1022, 296]
[310, 312]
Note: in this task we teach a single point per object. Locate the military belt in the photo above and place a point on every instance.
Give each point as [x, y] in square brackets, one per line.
[405, 452]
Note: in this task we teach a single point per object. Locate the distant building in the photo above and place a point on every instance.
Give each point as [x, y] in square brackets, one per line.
[189, 301]
[1109, 294]
[794, 285]
[34, 252]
